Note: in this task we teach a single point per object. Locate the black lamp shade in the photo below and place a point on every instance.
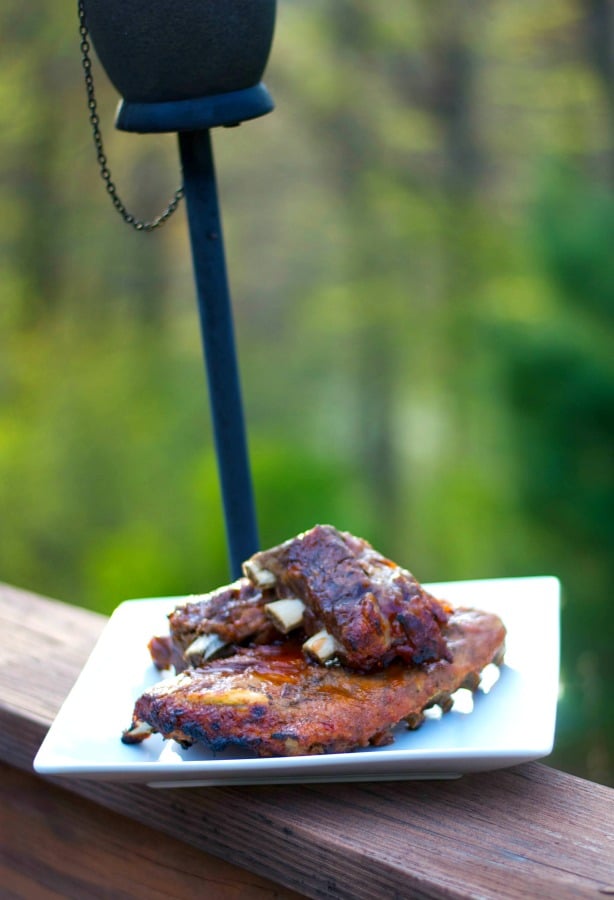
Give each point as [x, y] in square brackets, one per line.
[155, 51]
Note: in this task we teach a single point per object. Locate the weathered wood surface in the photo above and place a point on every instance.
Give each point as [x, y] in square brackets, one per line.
[525, 832]
[58, 845]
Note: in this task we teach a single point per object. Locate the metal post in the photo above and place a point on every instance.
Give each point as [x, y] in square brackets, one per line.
[217, 331]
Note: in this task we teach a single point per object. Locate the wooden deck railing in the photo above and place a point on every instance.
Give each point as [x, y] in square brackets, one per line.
[526, 832]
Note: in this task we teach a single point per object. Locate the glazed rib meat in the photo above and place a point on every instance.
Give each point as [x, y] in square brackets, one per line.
[271, 701]
[375, 610]
[207, 623]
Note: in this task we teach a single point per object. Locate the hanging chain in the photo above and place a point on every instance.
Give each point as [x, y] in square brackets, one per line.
[86, 62]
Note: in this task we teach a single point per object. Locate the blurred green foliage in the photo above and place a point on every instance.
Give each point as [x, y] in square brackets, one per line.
[420, 248]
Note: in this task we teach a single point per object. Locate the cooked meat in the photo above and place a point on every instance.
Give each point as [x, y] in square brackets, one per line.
[164, 653]
[392, 650]
[374, 610]
[234, 612]
[271, 701]
[207, 623]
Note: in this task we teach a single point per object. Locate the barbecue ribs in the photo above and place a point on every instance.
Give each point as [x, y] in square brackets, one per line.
[323, 647]
[374, 610]
[209, 623]
[272, 701]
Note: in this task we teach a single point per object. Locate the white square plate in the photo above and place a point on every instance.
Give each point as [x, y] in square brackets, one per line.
[505, 723]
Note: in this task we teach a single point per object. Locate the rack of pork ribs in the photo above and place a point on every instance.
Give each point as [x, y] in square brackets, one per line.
[324, 646]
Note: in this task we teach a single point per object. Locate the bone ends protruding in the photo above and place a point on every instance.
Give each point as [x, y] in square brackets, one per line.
[414, 720]
[258, 575]
[205, 646]
[137, 732]
[286, 614]
[322, 647]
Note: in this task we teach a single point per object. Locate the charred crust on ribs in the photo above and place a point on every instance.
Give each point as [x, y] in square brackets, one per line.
[271, 701]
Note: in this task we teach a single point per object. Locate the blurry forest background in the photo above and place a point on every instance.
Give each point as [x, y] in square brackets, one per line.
[419, 242]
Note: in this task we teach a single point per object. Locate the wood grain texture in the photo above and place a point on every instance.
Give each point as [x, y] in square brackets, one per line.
[524, 832]
[58, 845]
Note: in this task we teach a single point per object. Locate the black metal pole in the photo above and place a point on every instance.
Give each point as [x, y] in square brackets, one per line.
[217, 331]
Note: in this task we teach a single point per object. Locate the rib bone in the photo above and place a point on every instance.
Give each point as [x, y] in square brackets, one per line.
[258, 575]
[321, 646]
[286, 614]
[137, 732]
[206, 646]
